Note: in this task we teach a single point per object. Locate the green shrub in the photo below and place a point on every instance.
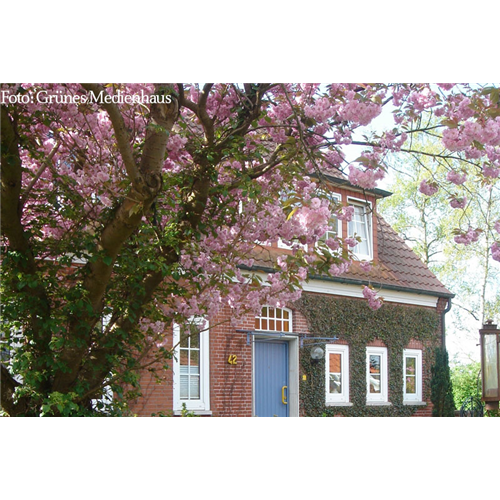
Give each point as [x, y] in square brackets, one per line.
[466, 382]
[441, 388]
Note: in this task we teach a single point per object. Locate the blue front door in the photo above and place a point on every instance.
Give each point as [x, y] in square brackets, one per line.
[272, 410]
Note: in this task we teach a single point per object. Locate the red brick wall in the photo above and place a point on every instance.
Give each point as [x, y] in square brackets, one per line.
[157, 396]
[231, 384]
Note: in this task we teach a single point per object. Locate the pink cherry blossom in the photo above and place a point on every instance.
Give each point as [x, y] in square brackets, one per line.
[458, 202]
[346, 213]
[332, 244]
[492, 172]
[366, 179]
[428, 188]
[471, 236]
[365, 266]
[338, 269]
[374, 302]
[495, 251]
[455, 177]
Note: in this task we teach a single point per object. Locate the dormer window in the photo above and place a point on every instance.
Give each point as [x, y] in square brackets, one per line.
[334, 228]
[361, 226]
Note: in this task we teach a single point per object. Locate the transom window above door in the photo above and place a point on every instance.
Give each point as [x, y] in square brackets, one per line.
[274, 319]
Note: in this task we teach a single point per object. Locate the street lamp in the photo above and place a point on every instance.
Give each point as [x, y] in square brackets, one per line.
[490, 364]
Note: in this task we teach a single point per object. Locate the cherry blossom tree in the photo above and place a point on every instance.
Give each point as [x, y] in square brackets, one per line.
[429, 225]
[126, 208]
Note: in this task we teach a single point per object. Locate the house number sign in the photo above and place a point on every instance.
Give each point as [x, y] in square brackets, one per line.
[233, 359]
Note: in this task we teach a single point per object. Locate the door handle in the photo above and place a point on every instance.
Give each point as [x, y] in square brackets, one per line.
[283, 397]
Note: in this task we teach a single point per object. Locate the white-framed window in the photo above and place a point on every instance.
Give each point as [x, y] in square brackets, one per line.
[337, 373]
[191, 366]
[376, 375]
[412, 375]
[335, 225]
[361, 226]
[274, 319]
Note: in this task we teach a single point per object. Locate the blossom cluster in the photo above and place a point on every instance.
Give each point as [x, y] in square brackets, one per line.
[374, 302]
[428, 188]
[456, 178]
[458, 202]
[495, 251]
[367, 178]
[73, 196]
[471, 236]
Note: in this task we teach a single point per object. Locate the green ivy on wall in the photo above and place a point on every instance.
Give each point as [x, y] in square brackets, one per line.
[355, 323]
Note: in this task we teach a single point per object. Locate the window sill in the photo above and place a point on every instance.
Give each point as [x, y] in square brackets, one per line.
[330, 403]
[414, 403]
[378, 403]
[198, 413]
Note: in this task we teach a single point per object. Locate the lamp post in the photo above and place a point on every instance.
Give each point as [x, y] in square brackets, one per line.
[490, 364]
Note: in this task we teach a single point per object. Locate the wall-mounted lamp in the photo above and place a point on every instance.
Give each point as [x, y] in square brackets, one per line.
[317, 353]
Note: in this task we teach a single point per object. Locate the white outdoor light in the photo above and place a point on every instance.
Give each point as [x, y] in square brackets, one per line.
[317, 353]
[490, 364]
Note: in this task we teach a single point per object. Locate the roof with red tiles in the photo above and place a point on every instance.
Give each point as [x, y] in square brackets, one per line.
[398, 266]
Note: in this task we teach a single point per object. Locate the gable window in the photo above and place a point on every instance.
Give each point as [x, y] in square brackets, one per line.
[191, 367]
[412, 372]
[274, 319]
[361, 226]
[376, 375]
[337, 373]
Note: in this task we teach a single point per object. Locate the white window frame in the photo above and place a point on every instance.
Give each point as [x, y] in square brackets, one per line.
[368, 221]
[337, 232]
[417, 397]
[274, 318]
[202, 404]
[343, 396]
[381, 397]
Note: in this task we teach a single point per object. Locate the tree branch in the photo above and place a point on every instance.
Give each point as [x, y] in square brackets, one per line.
[206, 121]
[39, 172]
[121, 133]
[183, 101]
[11, 211]
[127, 219]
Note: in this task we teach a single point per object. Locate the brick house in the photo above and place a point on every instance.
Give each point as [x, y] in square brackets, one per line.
[327, 354]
